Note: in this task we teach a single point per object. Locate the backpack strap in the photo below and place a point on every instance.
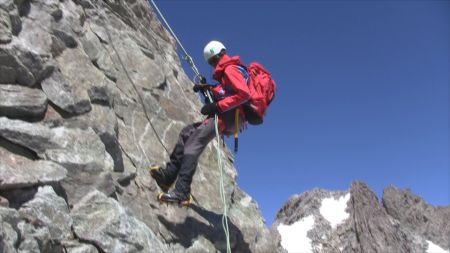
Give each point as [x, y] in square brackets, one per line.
[244, 72]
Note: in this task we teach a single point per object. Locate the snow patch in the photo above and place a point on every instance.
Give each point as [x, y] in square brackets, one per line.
[294, 237]
[333, 210]
[433, 248]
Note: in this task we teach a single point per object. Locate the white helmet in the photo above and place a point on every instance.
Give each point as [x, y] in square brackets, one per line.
[212, 48]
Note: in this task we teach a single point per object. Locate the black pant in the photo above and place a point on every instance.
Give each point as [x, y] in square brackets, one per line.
[184, 158]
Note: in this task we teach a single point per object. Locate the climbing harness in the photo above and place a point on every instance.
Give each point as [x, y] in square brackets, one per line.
[207, 95]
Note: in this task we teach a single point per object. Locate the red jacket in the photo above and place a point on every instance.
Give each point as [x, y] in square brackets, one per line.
[232, 90]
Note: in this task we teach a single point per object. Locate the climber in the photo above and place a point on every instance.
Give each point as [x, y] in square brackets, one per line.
[229, 95]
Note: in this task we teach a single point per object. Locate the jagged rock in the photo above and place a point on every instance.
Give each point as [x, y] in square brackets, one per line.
[103, 120]
[76, 247]
[8, 238]
[35, 137]
[7, 5]
[18, 172]
[34, 34]
[39, 65]
[5, 27]
[81, 152]
[67, 38]
[253, 230]
[16, 22]
[374, 228]
[104, 93]
[51, 211]
[91, 45]
[117, 89]
[37, 238]
[77, 85]
[104, 222]
[433, 223]
[22, 102]
[9, 218]
[353, 221]
[85, 3]
[69, 147]
[70, 98]
[4, 202]
[51, 7]
[13, 71]
[98, 54]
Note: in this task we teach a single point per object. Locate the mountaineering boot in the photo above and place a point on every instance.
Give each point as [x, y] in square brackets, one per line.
[175, 197]
[160, 177]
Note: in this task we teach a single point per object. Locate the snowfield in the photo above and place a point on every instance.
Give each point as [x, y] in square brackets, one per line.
[294, 237]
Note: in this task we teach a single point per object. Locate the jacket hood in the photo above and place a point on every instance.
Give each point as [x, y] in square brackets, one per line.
[224, 62]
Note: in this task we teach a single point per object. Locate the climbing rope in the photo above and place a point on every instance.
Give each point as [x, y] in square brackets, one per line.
[194, 68]
[141, 100]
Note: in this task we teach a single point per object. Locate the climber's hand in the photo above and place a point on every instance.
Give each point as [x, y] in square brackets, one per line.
[202, 87]
[210, 109]
[199, 87]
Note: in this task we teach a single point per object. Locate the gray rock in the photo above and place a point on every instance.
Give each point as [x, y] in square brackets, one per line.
[76, 247]
[16, 22]
[91, 45]
[8, 238]
[51, 211]
[69, 147]
[10, 7]
[40, 65]
[49, 7]
[374, 228]
[81, 152]
[367, 226]
[104, 93]
[13, 71]
[35, 137]
[7, 5]
[37, 238]
[433, 223]
[63, 94]
[85, 3]
[9, 218]
[104, 122]
[5, 27]
[67, 38]
[104, 222]
[4, 202]
[35, 34]
[18, 172]
[22, 102]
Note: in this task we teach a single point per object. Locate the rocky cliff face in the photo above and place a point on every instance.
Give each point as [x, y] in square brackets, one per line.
[91, 94]
[355, 221]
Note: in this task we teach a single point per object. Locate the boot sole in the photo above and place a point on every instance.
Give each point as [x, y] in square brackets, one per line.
[183, 203]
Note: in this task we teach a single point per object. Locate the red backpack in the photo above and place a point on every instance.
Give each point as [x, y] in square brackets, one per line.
[262, 92]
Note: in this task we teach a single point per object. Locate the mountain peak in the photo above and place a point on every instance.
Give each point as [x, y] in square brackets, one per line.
[355, 221]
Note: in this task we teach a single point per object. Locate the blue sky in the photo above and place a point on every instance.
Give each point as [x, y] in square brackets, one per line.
[363, 92]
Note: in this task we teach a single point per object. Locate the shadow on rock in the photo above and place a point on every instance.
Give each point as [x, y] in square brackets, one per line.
[192, 228]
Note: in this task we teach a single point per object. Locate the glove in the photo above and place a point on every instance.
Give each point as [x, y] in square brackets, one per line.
[198, 87]
[210, 109]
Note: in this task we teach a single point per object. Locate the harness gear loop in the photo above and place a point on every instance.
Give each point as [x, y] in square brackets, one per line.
[208, 96]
